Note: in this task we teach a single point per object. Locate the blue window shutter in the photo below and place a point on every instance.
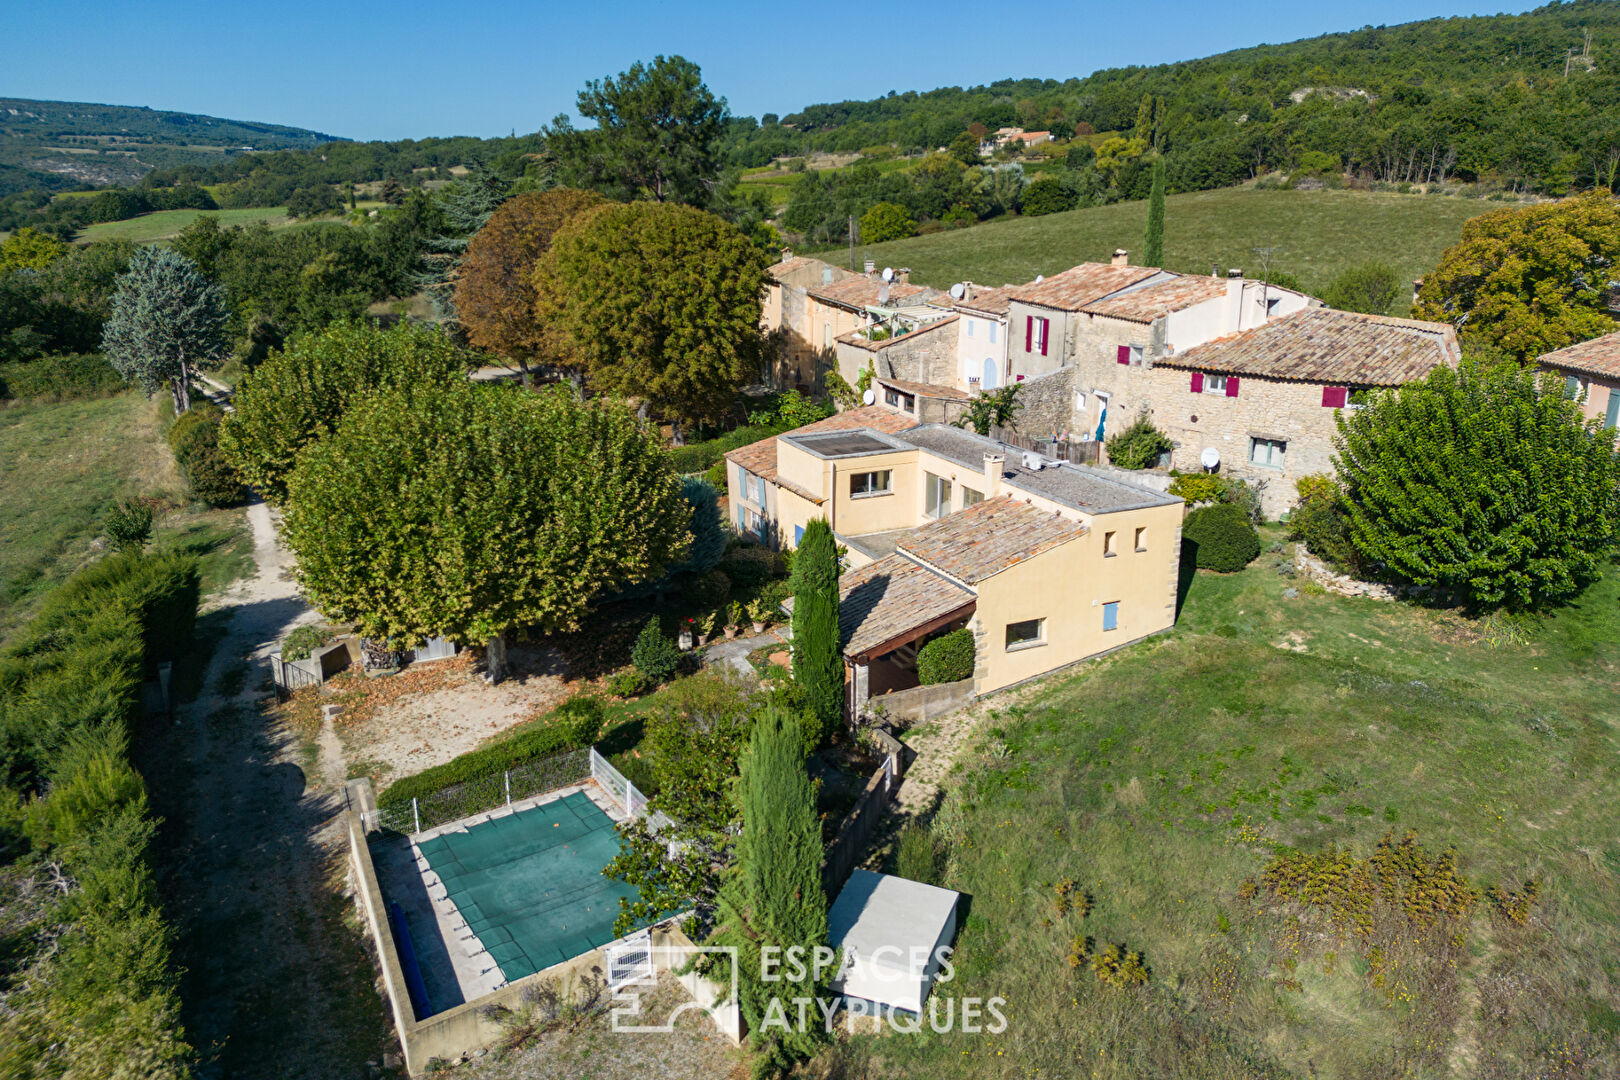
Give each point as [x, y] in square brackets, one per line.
[798, 535]
[1111, 616]
[1613, 418]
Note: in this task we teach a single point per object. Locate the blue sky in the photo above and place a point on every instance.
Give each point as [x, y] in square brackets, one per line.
[406, 68]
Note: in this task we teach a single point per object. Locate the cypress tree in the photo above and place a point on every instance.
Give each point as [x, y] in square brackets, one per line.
[818, 664]
[775, 898]
[1153, 240]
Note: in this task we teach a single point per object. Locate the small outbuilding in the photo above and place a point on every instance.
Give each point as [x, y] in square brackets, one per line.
[891, 930]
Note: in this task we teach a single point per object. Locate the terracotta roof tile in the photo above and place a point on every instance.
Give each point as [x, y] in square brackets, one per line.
[759, 457]
[861, 292]
[1329, 346]
[1081, 285]
[883, 600]
[986, 539]
[988, 301]
[1146, 304]
[930, 390]
[1599, 356]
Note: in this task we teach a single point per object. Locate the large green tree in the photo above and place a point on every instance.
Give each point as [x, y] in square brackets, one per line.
[469, 511]
[1370, 289]
[1153, 236]
[1530, 280]
[167, 323]
[1482, 482]
[775, 900]
[658, 302]
[301, 392]
[658, 135]
[494, 297]
[818, 662]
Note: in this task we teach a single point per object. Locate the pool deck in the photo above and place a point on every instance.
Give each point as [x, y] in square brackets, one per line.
[455, 966]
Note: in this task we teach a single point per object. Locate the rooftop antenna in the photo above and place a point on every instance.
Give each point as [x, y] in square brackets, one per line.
[1265, 254]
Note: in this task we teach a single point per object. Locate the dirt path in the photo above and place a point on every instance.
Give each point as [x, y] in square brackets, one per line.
[278, 982]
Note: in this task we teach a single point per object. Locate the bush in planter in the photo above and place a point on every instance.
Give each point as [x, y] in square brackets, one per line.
[302, 642]
[1138, 446]
[948, 658]
[1225, 539]
[654, 655]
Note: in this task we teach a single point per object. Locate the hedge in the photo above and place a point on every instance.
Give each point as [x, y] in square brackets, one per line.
[700, 456]
[574, 725]
[194, 438]
[104, 1003]
[1224, 539]
[948, 658]
[59, 378]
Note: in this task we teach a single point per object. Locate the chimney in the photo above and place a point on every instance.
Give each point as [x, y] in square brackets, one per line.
[1417, 287]
[871, 267]
[787, 254]
[1121, 257]
[994, 463]
[905, 275]
[1234, 300]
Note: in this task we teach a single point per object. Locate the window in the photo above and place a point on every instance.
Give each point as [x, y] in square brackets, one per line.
[1612, 419]
[1026, 633]
[1079, 403]
[1110, 547]
[1574, 386]
[753, 487]
[798, 535]
[1036, 331]
[750, 522]
[871, 483]
[1267, 452]
[970, 327]
[1203, 383]
[992, 333]
[1129, 354]
[974, 498]
[906, 402]
[759, 491]
[826, 335]
[1141, 538]
[1111, 615]
[939, 495]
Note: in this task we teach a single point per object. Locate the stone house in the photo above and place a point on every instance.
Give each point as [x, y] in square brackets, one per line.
[1047, 564]
[1591, 368]
[796, 360]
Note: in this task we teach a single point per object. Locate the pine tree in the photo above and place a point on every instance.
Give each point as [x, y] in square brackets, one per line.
[1153, 240]
[776, 898]
[818, 663]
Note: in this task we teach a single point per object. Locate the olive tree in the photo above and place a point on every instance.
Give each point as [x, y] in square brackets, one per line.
[167, 323]
[469, 512]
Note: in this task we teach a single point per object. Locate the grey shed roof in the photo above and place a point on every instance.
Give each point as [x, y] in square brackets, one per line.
[880, 911]
[1075, 486]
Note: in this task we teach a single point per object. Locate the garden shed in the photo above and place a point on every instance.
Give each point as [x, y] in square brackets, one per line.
[891, 930]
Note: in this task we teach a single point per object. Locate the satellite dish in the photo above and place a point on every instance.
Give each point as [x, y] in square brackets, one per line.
[958, 291]
[1039, 278]
[888, 273]
[1210, 458]
[869, 397]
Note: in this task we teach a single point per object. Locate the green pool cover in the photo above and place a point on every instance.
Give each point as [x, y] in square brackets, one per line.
[530, 884]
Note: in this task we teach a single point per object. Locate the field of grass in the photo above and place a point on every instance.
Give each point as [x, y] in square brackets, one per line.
[166, 224]
[1159, 780]
[63, 464]
[1316, 235]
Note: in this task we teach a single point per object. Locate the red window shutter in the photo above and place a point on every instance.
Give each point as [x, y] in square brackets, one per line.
[1231, 386]
[1046, 327]
[1124, 354]
[1029, 333]
[1198, 382]
[1333, 397]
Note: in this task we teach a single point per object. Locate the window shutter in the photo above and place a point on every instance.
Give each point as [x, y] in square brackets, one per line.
[1029, 333]
[1124, 354]
[1046, 327]
[1198, 382]
[1231, 386]
[1333, 397]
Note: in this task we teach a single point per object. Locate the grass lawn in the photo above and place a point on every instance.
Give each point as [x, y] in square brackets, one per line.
[62, 464]
[1160, 779]
[166, 224]
[1317, 234]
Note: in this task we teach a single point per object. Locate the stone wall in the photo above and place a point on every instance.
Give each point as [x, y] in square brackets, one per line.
[1046, 404]
[923, 703]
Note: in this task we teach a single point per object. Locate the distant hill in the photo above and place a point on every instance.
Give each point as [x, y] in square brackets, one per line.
[63, 144]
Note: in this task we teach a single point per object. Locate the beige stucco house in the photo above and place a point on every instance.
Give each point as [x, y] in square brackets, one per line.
[944, 528]
[786, 318]
[1591, 368]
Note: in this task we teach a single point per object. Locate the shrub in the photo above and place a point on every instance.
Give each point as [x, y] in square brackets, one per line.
[1138, 446]
[1224, 538]
[750, 567]
[128, 525]
[707, 590]
[627, 682]
[653, 654]
[1370, 289]
[948, 658]
[919, 855]
[1320, 523]
[539, 741]
[1048, 195]
[194, 438]
[302, 642]
[1199, 487]
[59, 378]
[1246, 497]
[1316, 485]
[582, 716]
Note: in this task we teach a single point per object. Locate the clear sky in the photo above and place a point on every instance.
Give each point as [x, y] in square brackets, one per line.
[408, 68]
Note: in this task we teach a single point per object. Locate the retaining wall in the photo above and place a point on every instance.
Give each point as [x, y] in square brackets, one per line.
[922, 703]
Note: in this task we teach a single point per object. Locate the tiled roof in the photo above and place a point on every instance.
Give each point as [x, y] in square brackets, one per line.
[930, 390]
[986, 539]
[1146, 304]
[988, 301]
[861, 292]
[1081, 285]
[1600, 356]
[783, 269]
[1329, 346]
[854, 336]
[883, 600]
[759, 458]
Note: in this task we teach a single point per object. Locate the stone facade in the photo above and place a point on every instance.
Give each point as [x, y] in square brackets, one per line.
[926, 355]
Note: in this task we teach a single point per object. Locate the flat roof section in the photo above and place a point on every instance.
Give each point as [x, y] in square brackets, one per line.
[846, 443]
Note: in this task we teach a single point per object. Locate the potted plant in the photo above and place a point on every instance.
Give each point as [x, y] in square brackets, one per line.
[684, 638]
[711, 626]
[760, 612]
[734, 618]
